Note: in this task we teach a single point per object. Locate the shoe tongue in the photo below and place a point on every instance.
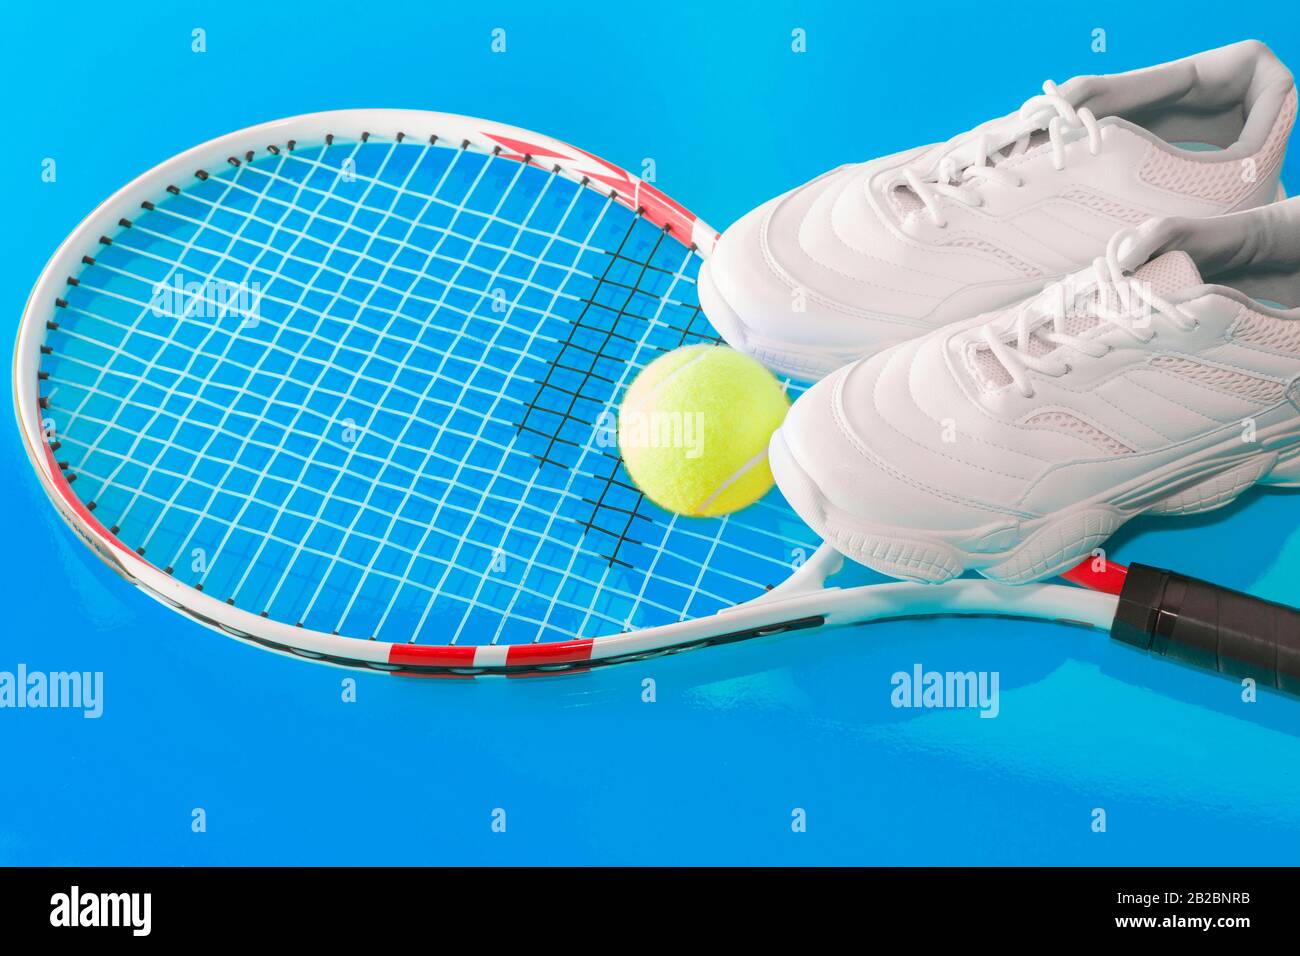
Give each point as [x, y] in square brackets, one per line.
[1169, 273]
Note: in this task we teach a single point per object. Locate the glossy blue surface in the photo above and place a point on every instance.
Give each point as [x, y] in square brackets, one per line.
[737, 739]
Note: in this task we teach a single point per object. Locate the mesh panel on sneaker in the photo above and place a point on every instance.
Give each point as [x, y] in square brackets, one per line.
[1245, 386]
[905, 201]
[1105, 205]
[1073, 425]
[1169, 273]
[1267, 332]
[983, 245]
[1165, 274]
[1227, 181]
[987, 370]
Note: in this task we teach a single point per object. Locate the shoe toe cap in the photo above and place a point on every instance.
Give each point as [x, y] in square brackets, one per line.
[867, 467]
[769, 290]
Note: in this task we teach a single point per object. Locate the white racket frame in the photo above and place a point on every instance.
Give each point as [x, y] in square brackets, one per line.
[802, 601]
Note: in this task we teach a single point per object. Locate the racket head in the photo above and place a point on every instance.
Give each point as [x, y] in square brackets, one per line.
[669, 578]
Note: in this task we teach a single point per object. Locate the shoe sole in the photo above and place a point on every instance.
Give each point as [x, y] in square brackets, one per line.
[1058, 543]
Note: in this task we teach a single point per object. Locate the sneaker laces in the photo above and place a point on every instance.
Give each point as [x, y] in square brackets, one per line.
[1134, 301]
[1048, 110]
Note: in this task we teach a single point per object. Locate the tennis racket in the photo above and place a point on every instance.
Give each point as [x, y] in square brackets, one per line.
[344, 386]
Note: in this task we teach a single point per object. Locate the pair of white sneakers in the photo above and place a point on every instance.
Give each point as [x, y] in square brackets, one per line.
[1142, 352]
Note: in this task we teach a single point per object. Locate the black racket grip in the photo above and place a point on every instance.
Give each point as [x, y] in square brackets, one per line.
[1199, 623]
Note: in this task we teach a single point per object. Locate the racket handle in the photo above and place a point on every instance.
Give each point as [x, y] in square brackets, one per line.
[1209, 626]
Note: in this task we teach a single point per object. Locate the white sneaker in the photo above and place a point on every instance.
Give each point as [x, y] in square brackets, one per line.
[872, 254]
[1015, 443]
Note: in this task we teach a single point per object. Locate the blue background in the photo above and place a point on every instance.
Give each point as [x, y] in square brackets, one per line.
[738, 737]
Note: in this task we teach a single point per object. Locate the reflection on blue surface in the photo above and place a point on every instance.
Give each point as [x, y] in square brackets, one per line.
[737, 739]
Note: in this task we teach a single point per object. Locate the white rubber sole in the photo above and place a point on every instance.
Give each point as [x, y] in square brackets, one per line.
[1053, 544]
[806, 363]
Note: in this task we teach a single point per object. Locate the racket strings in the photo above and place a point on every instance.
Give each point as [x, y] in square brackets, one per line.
[475, 600]
[226, 438]
[359, 513]
[602, 510]
[608, 480]
[565, 418]
[399, 272]
[238, 520]
[606, 336]
[269, 180]
[333, 491]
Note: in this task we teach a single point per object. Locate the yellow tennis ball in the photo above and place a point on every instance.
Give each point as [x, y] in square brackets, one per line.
[693, 429]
